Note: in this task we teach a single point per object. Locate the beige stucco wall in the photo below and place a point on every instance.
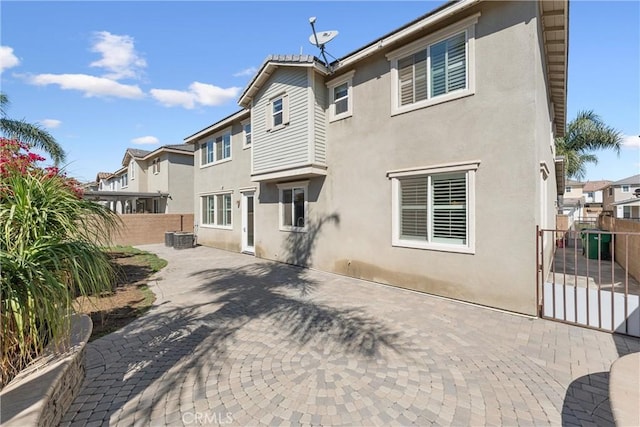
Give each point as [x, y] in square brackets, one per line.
[233, 175]
[180, 179]
[504, 125]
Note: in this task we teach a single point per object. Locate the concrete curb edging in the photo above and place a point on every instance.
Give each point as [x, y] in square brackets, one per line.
[624, 390]
[43, 392]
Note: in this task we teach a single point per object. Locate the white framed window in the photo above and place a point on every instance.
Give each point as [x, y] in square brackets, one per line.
[246, 134]
[434, 207]
[132, 169]
[293, 206]
[626, 189]
[278, 112]
[124, 180]
[434, 69]
[156, 166]
[567, 189]
[626, 212]
[217, 210]
[216, 149]
[341, 97]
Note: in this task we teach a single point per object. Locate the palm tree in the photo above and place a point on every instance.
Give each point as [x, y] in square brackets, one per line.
[29, 133]
[585, 134]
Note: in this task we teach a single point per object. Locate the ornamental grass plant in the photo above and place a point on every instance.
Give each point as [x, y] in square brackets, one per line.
[50, 252]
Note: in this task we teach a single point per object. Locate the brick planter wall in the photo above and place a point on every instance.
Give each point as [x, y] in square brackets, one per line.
[42, 393]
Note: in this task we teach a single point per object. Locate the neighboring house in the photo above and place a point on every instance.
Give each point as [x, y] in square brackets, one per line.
[573, 200]
[622, 197]
[158, 181]
[403, 162]
[593, 198]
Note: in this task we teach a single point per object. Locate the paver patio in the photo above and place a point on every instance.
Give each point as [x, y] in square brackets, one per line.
[238, 341]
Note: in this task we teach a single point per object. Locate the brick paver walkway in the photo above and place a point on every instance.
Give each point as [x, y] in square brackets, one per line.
[239, 341]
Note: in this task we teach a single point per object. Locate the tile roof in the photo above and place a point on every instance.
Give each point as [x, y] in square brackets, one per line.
[136, 152]
[632, 180]
[595, 185]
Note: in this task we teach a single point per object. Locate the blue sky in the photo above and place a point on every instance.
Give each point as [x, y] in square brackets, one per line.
[104, 76]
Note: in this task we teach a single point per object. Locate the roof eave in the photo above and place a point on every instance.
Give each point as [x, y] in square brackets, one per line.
[555, 30]
[268, 68]
[216, 126]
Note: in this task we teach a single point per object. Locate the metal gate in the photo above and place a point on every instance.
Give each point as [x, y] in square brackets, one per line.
[581, 279]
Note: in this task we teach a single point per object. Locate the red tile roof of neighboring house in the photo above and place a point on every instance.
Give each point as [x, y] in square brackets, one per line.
[595, 185]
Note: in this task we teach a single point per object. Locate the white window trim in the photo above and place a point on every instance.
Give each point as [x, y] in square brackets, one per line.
[244, 134]
[215, 224]
[285, 112]
[331, 85]
[122, 178]
[213, 138]
[155, 166]
[132, 170]
[470, 169]
[288, 186]
[468, 26]
[628, 189]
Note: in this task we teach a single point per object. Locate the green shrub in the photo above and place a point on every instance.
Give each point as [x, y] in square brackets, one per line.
[50, 251]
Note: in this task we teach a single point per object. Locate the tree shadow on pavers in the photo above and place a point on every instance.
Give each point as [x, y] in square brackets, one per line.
[587, 401]
[282, 295]
[140, 365]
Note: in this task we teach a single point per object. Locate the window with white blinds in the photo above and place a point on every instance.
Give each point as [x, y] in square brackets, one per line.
[436, 70]
[433, 208]
[216, 210]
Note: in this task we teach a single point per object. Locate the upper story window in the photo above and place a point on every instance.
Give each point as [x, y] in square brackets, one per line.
[434, 69]
[216, 149]
[293, 206]
[132, 169]
[246, 134]
[590, 194]
[156, 166]
[124, 180]
[340, 97]
[610, 191]
[567, 189]
[434, 208]
[278, 112]
[626, 189]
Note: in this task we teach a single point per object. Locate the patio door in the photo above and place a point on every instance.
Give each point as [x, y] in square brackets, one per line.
[248, 222]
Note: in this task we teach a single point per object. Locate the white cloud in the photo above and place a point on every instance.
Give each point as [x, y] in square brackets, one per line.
[173, 98]
[631, 141]
[119, 56]
[198, 94]
[145, 140]
[7, 58]
[50, 123]
[246, 72]
[90, 85]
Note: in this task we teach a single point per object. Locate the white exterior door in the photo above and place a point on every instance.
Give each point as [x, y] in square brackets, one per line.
[248, 222]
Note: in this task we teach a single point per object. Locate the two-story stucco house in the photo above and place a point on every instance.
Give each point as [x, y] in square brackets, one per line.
[623, 197]
[158, 181]
[403, 162]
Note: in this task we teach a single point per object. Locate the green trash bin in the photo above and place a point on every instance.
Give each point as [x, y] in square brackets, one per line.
[595, 244]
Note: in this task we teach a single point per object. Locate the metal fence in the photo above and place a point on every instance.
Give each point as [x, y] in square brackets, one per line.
[580, 282]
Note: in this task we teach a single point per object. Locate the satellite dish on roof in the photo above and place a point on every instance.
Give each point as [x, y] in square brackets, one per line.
[320, 39]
